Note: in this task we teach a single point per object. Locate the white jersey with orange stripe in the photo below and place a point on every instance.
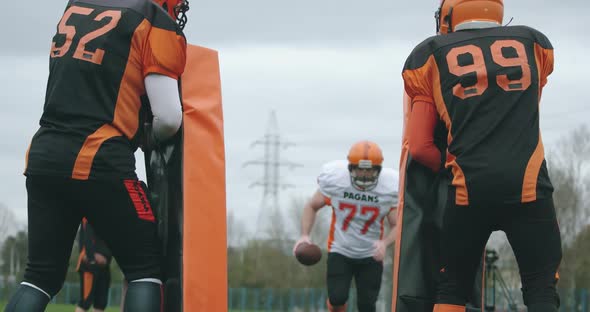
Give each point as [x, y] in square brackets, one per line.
[357, 216]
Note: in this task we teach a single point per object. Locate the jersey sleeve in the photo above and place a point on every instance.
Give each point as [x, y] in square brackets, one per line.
[421, 126]
[164, 50]
[331, 180]
[418, 74]
[543, 56]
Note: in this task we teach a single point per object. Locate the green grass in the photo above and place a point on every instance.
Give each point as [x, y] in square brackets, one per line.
[71, 308]
[63, 308]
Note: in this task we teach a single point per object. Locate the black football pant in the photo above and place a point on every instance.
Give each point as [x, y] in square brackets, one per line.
[94, 288]
[120, 213]
[533, 233]
[367, 275]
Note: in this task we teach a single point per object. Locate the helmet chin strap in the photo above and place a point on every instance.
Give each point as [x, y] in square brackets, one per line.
[449, 20]
[510, 21]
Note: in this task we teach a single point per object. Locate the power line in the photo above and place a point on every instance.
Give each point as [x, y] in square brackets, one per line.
[271, 162]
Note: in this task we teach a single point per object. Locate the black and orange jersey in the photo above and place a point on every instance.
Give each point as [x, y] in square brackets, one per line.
[95, 97]
[486, 87]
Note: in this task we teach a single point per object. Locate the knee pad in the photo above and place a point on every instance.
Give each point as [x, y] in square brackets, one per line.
[144, 295]
[540, 291]
[100, 304]
[336, 308]
[367, 306]
[84, 304]
[338, 298]
[28, 298]
[542, 307]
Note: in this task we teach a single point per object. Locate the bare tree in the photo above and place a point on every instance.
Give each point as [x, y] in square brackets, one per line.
[236, 231]
[569, 169]
[7, 222]
[276, 229]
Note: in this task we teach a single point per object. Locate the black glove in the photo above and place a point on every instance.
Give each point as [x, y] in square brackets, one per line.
[148, 141]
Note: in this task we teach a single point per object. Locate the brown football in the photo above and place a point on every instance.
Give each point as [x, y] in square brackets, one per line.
[308, 254]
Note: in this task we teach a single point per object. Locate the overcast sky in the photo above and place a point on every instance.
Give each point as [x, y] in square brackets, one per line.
[330, 69]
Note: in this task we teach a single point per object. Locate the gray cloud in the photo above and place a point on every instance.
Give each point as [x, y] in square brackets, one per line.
[305, 22]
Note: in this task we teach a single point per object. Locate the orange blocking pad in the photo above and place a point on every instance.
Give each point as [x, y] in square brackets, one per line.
[407, 108]
[204, 269]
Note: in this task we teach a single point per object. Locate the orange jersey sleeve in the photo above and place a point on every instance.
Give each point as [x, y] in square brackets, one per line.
[544, 58]
[421, 126]
[164, 53]
[418, 82]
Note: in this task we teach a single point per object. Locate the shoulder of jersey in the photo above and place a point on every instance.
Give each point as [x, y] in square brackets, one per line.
[334, 177]
[421, 53]
[532, 33]
[388, 182]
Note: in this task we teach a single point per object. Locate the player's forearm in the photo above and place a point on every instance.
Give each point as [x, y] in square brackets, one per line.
[390, 238]
[307, 220]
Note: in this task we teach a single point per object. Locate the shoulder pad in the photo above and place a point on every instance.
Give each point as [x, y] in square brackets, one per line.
[334, 178]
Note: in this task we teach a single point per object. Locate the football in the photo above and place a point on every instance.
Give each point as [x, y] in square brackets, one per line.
[308, 254]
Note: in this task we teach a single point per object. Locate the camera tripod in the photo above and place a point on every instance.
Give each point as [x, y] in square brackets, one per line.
[492, 277]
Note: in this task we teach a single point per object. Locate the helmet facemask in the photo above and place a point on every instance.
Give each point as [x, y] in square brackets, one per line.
[180, 11]
[364, 176]
[176, 9]
[437, 14]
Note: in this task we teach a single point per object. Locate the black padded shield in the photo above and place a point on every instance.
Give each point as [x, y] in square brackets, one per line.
[164, 178]
[425, 195]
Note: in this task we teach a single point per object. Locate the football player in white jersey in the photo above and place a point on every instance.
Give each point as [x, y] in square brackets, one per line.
[362, 195]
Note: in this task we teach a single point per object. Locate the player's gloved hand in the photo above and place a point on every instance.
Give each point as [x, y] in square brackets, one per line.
[379, 251]
[302, 239]
[148, 140]
[100, 259]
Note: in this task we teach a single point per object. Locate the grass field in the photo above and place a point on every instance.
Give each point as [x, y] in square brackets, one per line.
[62, 308]
[70, 308]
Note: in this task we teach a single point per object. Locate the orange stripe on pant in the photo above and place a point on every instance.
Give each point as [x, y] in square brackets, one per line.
[204, 284]
[448, 308]
[88, 281]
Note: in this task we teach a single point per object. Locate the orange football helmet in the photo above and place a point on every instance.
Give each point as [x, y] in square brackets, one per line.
[176, 9]
[463, 13]
[364, 164]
